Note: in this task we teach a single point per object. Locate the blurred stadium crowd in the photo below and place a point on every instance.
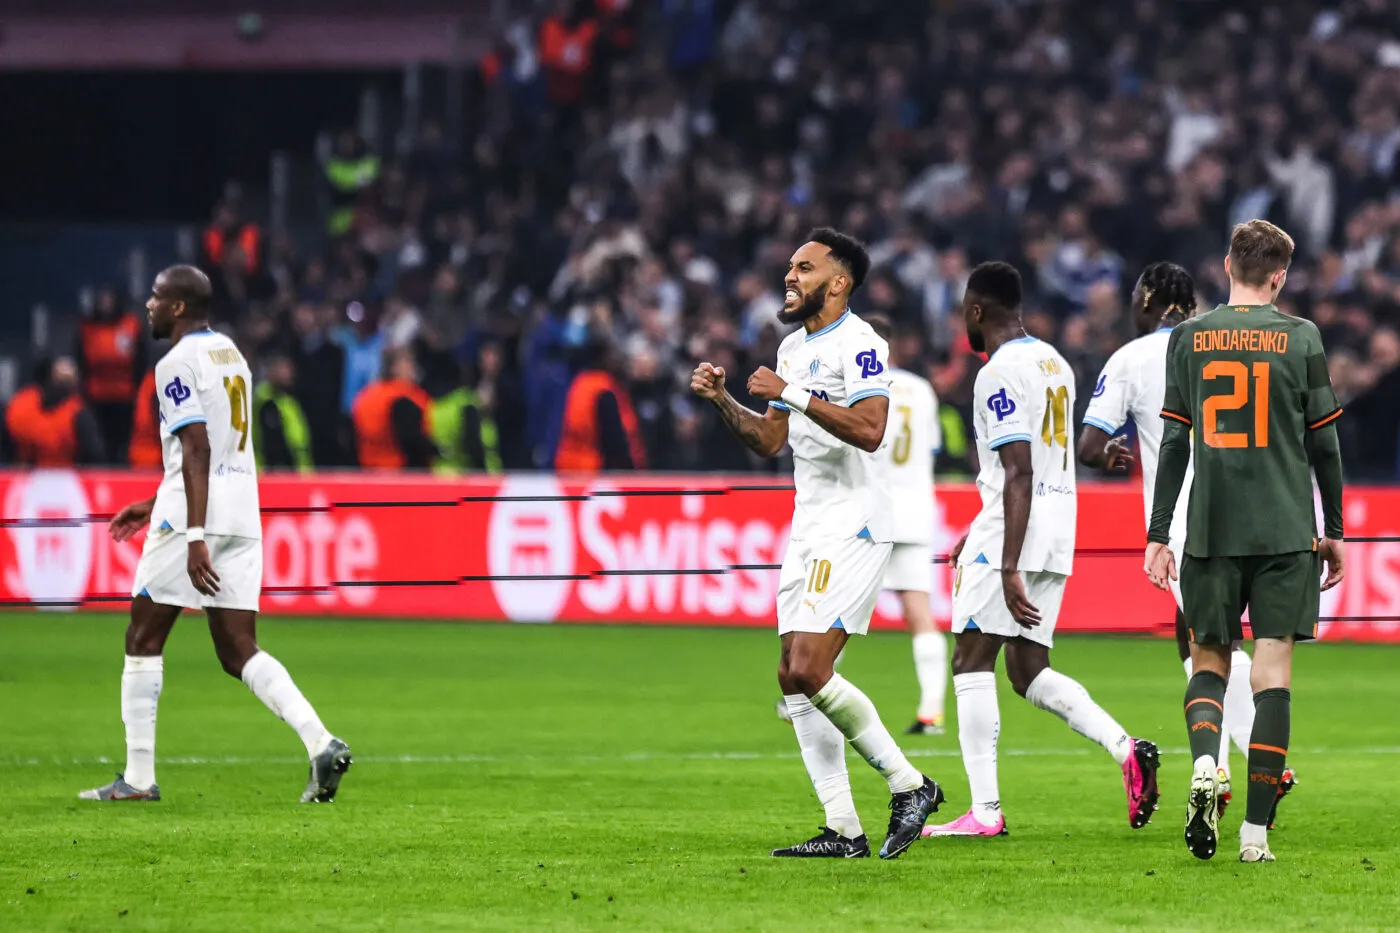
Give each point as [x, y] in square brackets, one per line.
[635, 176]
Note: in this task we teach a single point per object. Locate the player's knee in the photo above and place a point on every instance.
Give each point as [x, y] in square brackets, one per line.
[143, 641]
[785, 682]
[808, 675]
[233, 655]
[971, 657]
[1020, 678]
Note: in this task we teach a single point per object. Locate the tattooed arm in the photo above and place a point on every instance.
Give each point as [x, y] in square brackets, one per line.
[764, 434]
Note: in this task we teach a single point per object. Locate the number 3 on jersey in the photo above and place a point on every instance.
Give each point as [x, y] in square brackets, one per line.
[237, 390]
[1055, 428]
[1237, 398]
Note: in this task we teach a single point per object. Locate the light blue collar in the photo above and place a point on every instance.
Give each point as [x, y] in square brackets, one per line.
[206, 332]
[832, 326]
[1026, 339]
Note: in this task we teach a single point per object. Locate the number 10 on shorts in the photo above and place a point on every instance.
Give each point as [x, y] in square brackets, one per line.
[819, 576]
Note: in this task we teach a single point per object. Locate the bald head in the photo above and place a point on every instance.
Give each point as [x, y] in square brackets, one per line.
[180, 300]
[189, 285]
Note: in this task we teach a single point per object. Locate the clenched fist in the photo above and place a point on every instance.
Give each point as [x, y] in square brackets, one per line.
[708, 381]
[766, 384]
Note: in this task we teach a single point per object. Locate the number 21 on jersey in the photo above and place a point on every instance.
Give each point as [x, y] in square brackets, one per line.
[1235, 399]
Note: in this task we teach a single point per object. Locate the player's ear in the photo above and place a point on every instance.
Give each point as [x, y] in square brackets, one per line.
[1278, 282]
[1227, 266]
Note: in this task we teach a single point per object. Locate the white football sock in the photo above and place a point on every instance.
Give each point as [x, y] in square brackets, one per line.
[271, 683]
[1239, 705]
[1253, 834]
[931, 667]
[852, 712]
[979, 727]
[141, 683]
[824, 753]
[1066, 698]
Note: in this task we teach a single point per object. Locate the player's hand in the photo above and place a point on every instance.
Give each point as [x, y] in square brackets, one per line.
[1118, 458]
[130, 520]
[765, 384]
[1013, 590]
[1160, 565]
[708, 381]
[1334, 555]
[957, 550]
[202, 573]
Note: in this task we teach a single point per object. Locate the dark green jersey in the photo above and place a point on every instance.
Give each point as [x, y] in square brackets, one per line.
[1250, 382]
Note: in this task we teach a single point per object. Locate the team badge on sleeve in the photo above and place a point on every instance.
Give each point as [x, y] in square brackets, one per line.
[1103, 385]
[177, 392]
[1001, 405]
[870, 364]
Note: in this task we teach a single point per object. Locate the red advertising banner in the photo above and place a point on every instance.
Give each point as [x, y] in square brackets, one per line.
[363, 556]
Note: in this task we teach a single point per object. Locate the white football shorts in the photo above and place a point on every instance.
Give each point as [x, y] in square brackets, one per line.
[830, 583]
[910, 569]
[163, 572]
[978, 603]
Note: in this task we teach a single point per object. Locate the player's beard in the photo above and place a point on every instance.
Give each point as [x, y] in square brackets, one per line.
[811, 304]
[976, 340]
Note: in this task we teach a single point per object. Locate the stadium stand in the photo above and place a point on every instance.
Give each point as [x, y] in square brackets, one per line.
[629, 179]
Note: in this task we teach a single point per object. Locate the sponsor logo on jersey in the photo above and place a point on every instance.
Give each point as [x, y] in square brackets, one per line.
[1001, 405]
[818, 393]
[177, 392]
[1103, 385]
[870, 364]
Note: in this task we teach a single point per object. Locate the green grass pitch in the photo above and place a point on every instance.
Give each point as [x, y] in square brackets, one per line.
[560, 778]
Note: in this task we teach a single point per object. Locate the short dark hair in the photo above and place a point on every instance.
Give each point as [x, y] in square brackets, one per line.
[846, 250]
[880, 324]
[998, 282]
[190, 285]
[1258, 249]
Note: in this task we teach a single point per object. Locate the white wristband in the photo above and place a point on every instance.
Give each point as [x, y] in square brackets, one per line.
[795, 398]
[194, 534]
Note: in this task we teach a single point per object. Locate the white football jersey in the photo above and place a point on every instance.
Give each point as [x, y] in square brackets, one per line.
[1025, 393]
[205, 379]
[1133, 385]
[913, 438]
[842, 491]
